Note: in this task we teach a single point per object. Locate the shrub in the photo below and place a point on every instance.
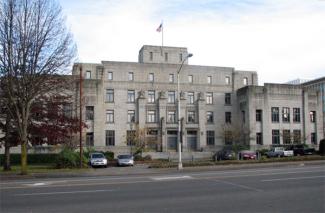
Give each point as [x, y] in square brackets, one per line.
[322, 147]
[109, 155]
[31, 159]
[147, 158]
[138, 157]
[68, 158]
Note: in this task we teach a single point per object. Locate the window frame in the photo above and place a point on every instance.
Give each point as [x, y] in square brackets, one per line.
[209, 98]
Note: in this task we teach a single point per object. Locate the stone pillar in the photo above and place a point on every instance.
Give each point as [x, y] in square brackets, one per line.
[183, 120]
[162, 102]
[305, 118]
[141, 110]
[319, 117]
[266, 119]
[201, 135]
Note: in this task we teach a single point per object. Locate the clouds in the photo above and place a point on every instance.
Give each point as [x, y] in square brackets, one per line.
[281, 40]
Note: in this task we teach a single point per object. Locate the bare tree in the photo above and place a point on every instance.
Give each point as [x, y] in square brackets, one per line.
[35, 46]
[235, 135]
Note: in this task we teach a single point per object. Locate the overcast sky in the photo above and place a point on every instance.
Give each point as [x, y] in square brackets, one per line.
[280, 39]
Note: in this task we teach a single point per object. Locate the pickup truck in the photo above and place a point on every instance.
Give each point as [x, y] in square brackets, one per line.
[279, 152]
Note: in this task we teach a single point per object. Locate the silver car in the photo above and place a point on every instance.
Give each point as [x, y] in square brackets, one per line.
[97, 159]
[125, 160]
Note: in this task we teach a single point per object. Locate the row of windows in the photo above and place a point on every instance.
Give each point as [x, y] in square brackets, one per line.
[275, 115]
[171, 79]
[109, 97]
[289, 138]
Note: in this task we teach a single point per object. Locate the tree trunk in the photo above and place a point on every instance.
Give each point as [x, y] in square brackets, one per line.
[24, 142]
[6, 165]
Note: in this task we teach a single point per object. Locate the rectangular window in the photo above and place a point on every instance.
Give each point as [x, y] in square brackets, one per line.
[245, 81]
[296, 114]
[110, 138]
[180, 57]
[275, 114]
[243, 116]
[228, 117]
[67, 110]
[285, 114]
[209, 117]
[166, 57]
[130, 76]
[190, 79]
[151, 96]
[312, 115]
[313, 138]
[228, 137]
[110, 76]
[228, 98]
[131, 116]
[110, 95]
[171, 117]
[151, 116]
[171, 78]
[151, 77]
[131, 137]
[190, 97]
[171, 97]
[131, 96]
[259, 139]
[90, 139]
[110, 116]
[227, 80]
[151, 56]
[89, 113]
[210, 138]
[258, 115]
[275, 136]
[296, 136]
[191, 116]
[209, 98]
[88, 74]
[209, 79]
[286, 136]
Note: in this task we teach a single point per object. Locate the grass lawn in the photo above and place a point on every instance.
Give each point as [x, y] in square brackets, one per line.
[41, 168]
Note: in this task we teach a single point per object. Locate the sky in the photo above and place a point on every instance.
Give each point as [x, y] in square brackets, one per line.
[281, 40]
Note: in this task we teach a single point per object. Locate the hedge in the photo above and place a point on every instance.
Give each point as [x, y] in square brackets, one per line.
[31, 159]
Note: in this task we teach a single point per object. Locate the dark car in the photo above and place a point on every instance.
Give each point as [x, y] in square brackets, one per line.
[225, 155]
[300, 149]
[247, 155]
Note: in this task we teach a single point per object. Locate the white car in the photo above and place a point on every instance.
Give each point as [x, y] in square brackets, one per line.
[125, 160]
[97, 159]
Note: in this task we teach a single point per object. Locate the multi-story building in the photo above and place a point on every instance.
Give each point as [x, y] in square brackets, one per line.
[218, 105]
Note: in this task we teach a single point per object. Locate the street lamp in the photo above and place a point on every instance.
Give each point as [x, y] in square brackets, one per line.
[180, 165]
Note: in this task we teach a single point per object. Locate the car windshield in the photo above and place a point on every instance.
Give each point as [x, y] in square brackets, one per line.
[97, 155]
[124, 156]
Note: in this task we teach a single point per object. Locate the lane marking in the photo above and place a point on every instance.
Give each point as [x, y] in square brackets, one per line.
[171, 178]
[240, 185]
[56, 193]
[293, 178]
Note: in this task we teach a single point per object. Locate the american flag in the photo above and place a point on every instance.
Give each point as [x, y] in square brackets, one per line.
[160, 27]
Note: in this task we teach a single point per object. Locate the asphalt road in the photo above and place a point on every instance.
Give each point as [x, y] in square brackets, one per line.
[287, 189]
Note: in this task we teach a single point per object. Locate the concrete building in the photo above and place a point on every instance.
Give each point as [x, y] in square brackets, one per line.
[216, 103]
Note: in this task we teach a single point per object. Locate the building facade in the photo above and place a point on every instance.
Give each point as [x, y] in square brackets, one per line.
[216, 103]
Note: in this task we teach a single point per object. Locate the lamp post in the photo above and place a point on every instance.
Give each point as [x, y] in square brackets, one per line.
[180, 165]
[131, 135]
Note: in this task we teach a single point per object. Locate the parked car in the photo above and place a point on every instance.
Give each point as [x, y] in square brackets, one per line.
[224, 155]
[300, 149]
[97, 159]
[279, 152]
[125, 160]
[247, 155]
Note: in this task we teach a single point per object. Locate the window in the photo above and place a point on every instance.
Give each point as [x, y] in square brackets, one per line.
[210, 138]
[151, 77]
[67, 110]
[171, 117]
[110, 138]
[259, 139]
[131, 96]
[171, 97]
[166, 57]
[228, 117]
[228, 137]
[130, 76]
[275, 136]
[110, 116]
[286, 114]
[90, 139]
[171, 78]
[258, 115]
[296, 136]
[190, 97]
[90, 113]
[209, 96]
[286, 136]
[275, 114]
[110, 76]
[245, 81]
[243, 116]
[131, 137]
[191, 116]
[227, 98]
[313, 138]
[312, 115]
[296, 114]
[180, 57]
[227, 80]
[131, 116]
[88, 74]
[110, 95]
[190, 79]
[209, 79]
[151, 96]
[151, 116]
[210, 117]
[151, 56]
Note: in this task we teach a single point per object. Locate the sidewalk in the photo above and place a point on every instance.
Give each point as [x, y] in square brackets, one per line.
[142, 169]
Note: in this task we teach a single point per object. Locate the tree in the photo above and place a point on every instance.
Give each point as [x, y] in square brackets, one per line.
[35, 47]
[234, 135]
